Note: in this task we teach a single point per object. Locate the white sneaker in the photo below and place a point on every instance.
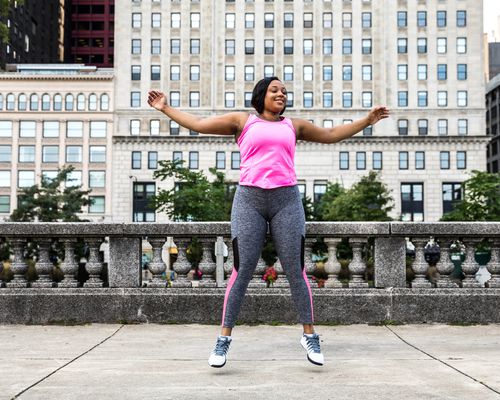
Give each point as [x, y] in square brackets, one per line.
[218, 357]
[310, 343]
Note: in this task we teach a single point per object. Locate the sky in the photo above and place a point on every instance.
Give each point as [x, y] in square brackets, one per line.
[491, 13]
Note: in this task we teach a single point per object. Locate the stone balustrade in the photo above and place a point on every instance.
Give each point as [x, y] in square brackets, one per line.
[379, 269]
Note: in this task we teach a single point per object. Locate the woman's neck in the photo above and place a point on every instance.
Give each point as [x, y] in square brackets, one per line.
[270, 116]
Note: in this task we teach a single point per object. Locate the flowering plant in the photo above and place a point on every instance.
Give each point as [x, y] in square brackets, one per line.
[319, 281]
[270, 276]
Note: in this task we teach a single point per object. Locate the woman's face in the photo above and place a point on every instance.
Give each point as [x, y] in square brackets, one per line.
[275, 100]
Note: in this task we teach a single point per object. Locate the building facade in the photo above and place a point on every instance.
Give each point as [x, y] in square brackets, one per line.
[493, 122]
[337, 59]
[51, 116]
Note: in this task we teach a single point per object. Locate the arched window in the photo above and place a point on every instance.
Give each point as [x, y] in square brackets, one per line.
[10, 102]
[22, 102]
[1, 101]
[69, 102]
[34, 102]
[104, 102]
[45, 102]
[57, 102]
[92, 102]
[80, 102]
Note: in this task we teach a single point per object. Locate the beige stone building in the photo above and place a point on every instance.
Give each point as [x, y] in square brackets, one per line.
[338, 58]
[53, 115]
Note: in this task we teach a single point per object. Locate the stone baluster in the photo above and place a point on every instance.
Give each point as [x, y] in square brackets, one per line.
[181, 266]
[229, 264]
[18, 266]
[309, 264]
[69, 266]
[420, 266]
[494, 264]
[332, 265]
[281, 281]
[357, 266]
[445, 267]
[207, 266]
[257, 281]
[94, 264]
[470, 265]
[43, 265]
[157, 267]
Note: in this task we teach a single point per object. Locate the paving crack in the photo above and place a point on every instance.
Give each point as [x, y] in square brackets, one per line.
[443, 362]
[68, 363]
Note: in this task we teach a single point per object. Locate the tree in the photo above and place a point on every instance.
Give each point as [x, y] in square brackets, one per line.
[481, 200]
[367, 200]
[194, 197]
[49, 202]
[5, 6]
[333, 190]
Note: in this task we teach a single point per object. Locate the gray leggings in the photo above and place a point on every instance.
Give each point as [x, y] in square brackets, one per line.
[253, 209]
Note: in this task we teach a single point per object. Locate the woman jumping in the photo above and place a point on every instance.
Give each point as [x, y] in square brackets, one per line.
[267, 195]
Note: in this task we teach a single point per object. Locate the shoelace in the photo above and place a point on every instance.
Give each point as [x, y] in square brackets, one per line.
[221, 347]
[313, 344]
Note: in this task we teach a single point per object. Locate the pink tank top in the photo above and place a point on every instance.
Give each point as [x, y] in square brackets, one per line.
[267, 152]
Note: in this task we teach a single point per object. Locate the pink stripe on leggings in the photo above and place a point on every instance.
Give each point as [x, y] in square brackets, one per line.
[310, 293]
[230, 284]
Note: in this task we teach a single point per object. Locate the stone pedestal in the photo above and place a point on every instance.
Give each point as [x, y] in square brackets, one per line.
[420, 266]
[332, 265]
[69, 266]
[43, 265]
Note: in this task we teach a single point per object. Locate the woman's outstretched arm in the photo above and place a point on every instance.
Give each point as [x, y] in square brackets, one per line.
[226, 124]
[310, 132]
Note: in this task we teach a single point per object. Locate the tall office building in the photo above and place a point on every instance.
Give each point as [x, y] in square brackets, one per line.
[36, 33]
[337, 59]
[493, 123]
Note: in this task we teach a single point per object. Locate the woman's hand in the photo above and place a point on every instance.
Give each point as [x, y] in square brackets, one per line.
[157, 100]
[377, 113]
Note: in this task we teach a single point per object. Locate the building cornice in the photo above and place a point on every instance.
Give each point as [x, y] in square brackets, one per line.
[25, 77]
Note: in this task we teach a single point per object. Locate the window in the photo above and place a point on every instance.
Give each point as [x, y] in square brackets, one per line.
[327, 99]
[98, 129]
[308, 20]
[6, 128]
[136, 20]
[402, 72]
[419, 160]
[230, 47]
[74, 179]
[69, 102]
[220, 160]
[97, 205]
[327, 72]
[235, 160]
[327, 46]
[461, 72]
[155, 46]
[343, 160]
[177, 156]
[366, 46]
[402, 45]
[403, 160]
[5, 204]
[230, 20]
[175, 46]
[422, 45]
[403, 127]
[135, 99]
[462, 127]
[154, 127]
[249, 46]
[366, 20]
[327, 20]
[92, 102]
[104, 102]
[461, 45]
[423, 126]
[287, 73]
[229, 72]
[462, 98]
[155, 20]
[268, 71]
[289, 99]
[174, 128]
[269, 46]
[402, 19]
[74, 129]
[97, 179]
[229, 99]
[136, 46]
[57, 102]
[175, 20]
[308, 100]
[74, 154]
[402, 99]
[135, 127]
[308, 46]
[193, 160]
[346, 46]
[152, 159]
[195, 46]
[441, 19]
[50, 128]
[5, 153]
[368, 131]
[34, 102]
[194, 99]
[461, 18]
[155, 72]
[136, 159]
[442, 72]
[288, 46]
[143, 191]
[308, 73]
[26, 154]
[346, 99]
[412, 202]
[442, 126]
[175, 99]
[452, 195]
[5, 179]
[422, 98]
[360, 160]
[346, 20]
[194, 72]
[195, 20]
[377, 160]
[288, 20]
[444, 159]
[268, 20]
[441, 45]
[249, 20]
[421, 19]
[50, 154]
[25, 178]
[302, 190]
[442, 98]
[45, 102]
[347, 72]
[97, 154]
[135, 72]
[461, 159]
[248, 99]
[366, 99]
[422, 72]
[319, 189]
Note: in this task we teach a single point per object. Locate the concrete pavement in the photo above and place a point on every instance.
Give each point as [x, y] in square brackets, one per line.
[149, 361]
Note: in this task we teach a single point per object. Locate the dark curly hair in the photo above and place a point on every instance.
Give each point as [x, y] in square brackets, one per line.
[259, 94]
